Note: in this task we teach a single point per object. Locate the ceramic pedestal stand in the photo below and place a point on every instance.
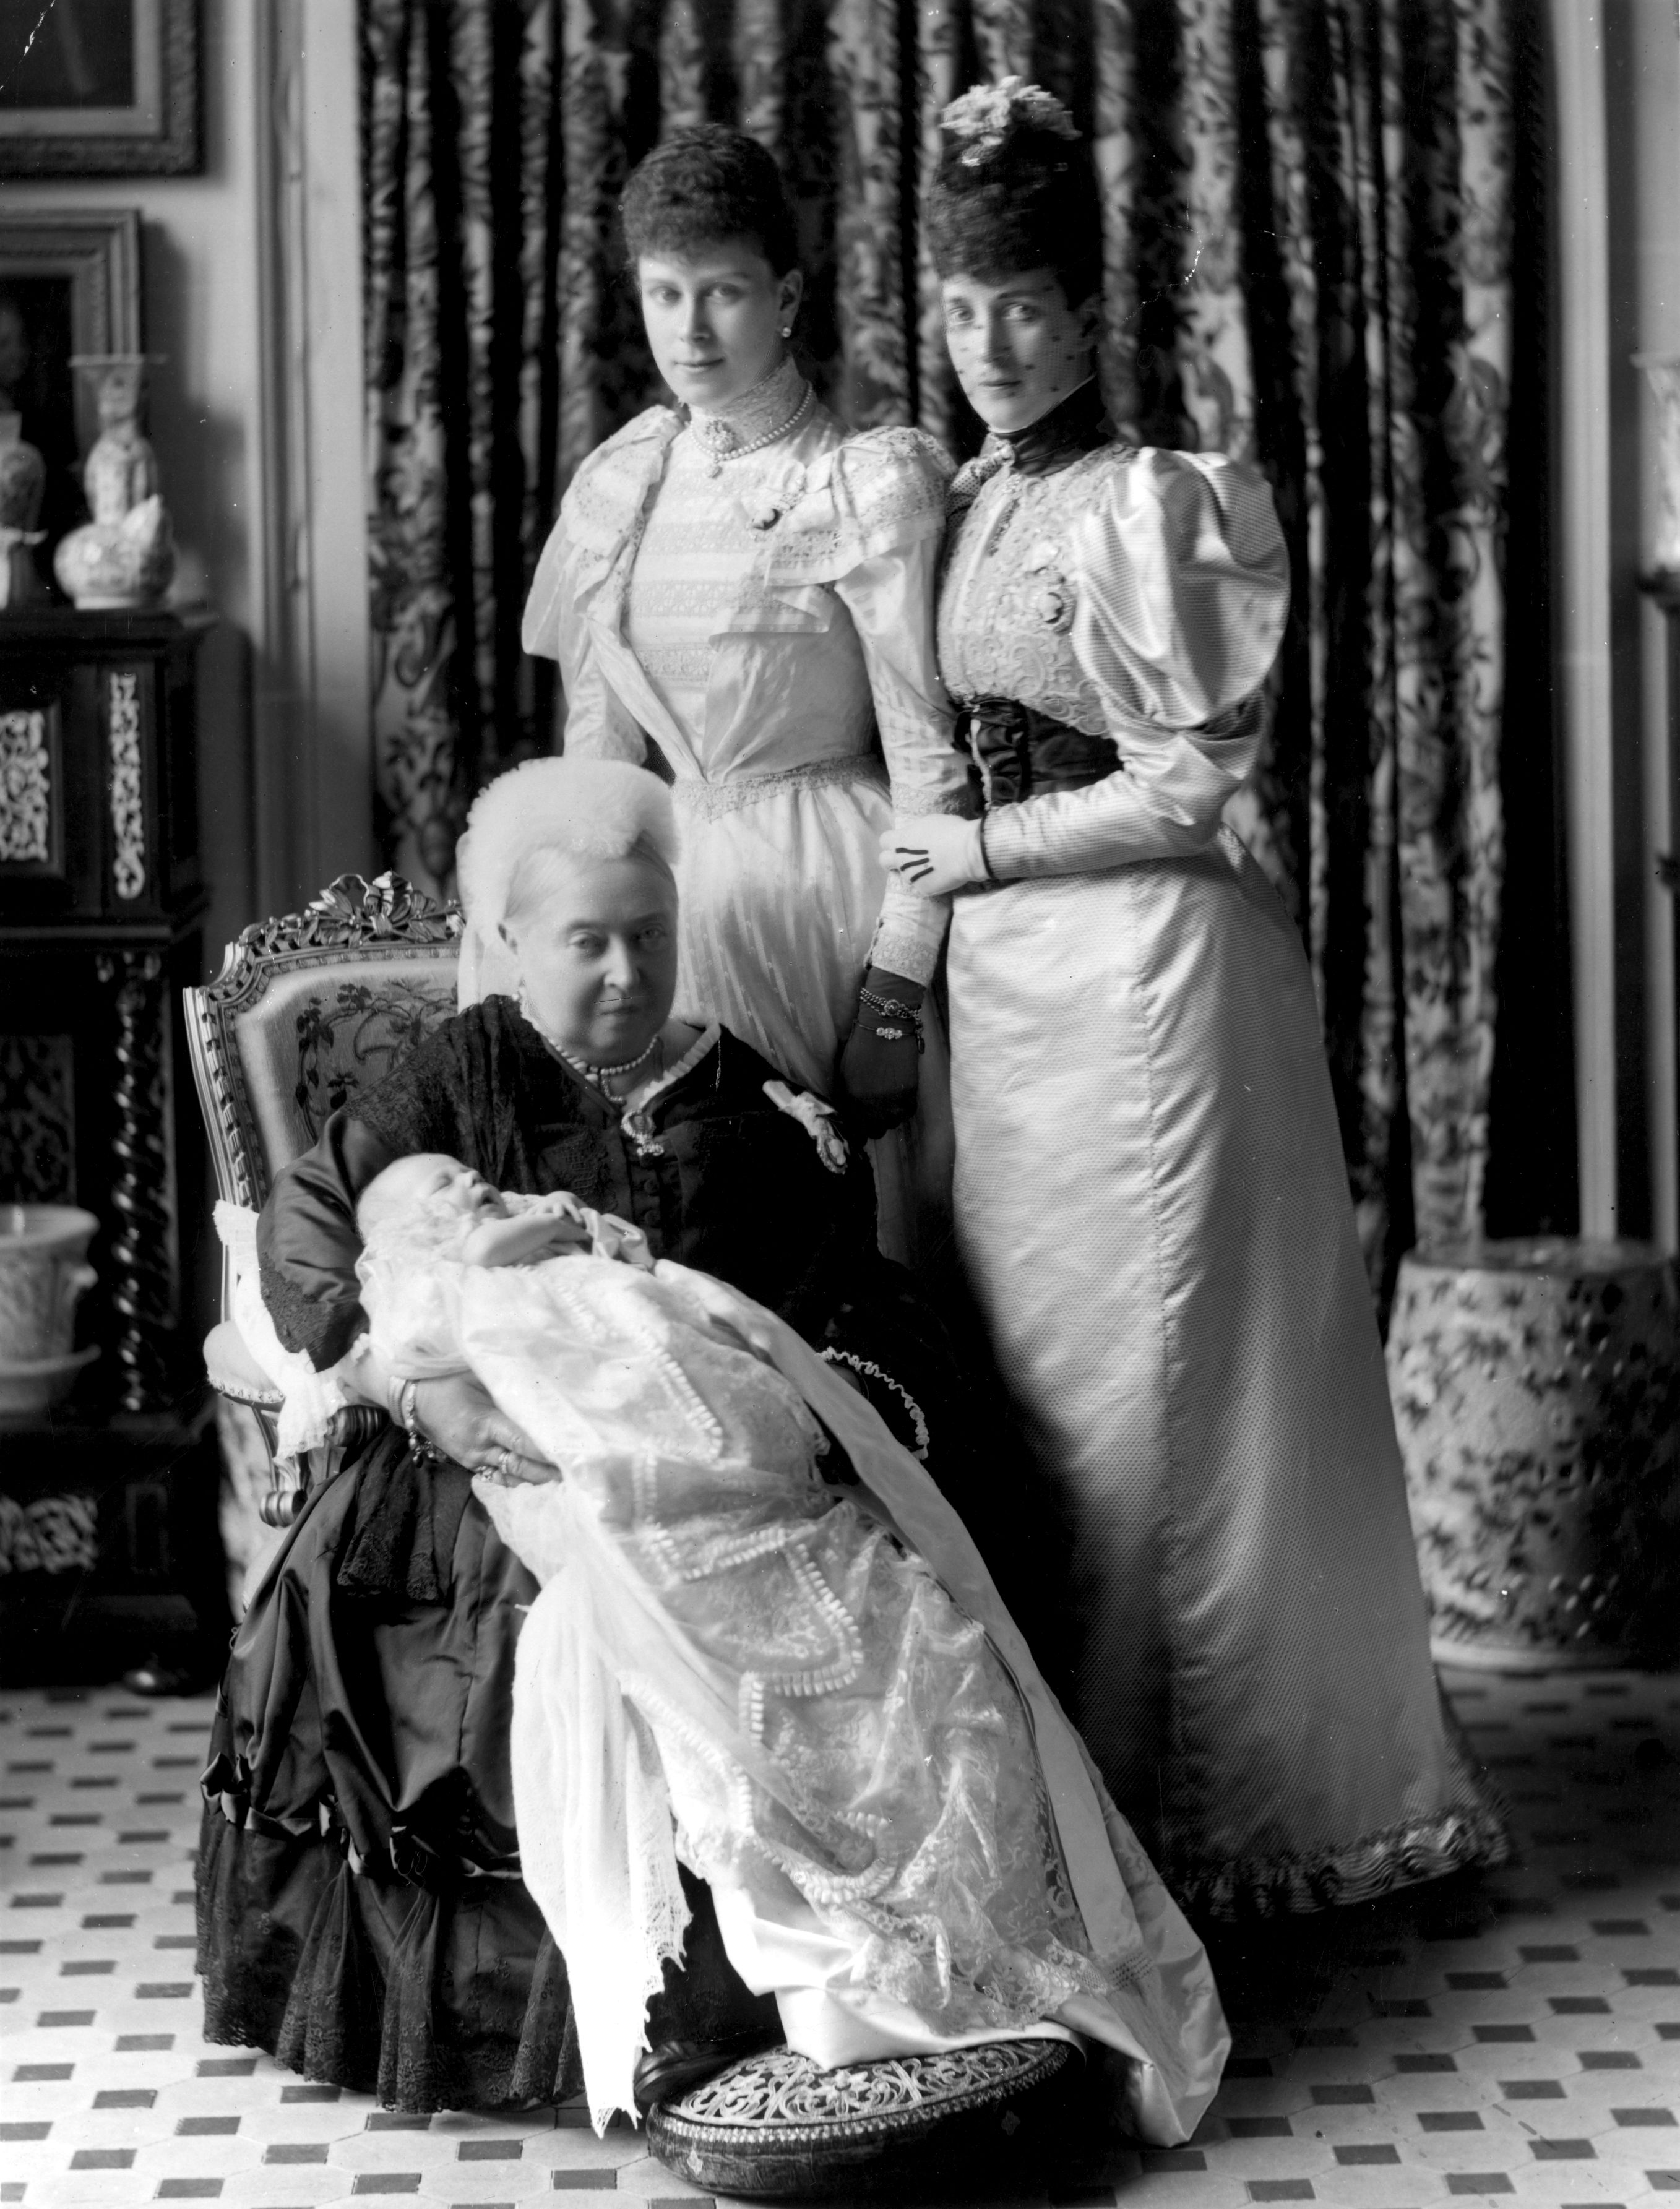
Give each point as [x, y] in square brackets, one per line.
[1535, 1395]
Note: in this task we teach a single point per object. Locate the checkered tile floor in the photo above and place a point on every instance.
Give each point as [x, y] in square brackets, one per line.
[1519, 2039]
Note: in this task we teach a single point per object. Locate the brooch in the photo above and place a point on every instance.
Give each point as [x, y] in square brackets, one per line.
[765, 503]
[1053, 599]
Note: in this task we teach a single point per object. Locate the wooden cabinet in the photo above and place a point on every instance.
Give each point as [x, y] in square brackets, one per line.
[101, 900]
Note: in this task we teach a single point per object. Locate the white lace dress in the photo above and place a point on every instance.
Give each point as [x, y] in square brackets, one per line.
[815, 1688]
[761, 626]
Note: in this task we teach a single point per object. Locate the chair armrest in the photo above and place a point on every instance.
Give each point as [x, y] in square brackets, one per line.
[234, 1372]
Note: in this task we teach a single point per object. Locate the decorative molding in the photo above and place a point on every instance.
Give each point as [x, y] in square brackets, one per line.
[128, 809]
[26, 790]
[350, 911]
[143, 1282]
[38, 1119]
[53, 1534]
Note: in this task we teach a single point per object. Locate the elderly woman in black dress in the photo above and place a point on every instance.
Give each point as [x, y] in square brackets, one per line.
[361, 1911]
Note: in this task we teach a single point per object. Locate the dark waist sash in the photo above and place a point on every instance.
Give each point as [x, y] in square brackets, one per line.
[1018, 753]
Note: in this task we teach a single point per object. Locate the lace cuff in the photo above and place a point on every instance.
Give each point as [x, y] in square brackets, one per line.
[910, 931]
[313, 1401]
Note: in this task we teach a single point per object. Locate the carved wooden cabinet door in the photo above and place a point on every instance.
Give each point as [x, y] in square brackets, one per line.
[101, 906]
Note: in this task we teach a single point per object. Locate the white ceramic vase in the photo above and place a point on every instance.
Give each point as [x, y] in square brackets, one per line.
[43, 1275]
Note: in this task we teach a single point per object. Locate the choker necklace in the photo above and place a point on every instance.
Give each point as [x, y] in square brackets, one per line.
[1076, 424]
[720, 440]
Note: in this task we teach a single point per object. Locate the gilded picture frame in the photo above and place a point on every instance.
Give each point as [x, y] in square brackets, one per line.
[99, 88]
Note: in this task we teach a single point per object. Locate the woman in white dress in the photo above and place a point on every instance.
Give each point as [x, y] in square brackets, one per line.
[1150, 1200]
[739, 584]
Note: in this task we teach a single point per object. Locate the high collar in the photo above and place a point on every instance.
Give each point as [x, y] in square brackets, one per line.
[1075, 425]
[773, 399]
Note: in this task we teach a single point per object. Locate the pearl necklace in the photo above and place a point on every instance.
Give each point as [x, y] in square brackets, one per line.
[601, 1075]
[598, 1076]
[720, 441]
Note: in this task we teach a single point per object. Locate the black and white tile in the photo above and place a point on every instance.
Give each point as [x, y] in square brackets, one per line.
[1519, 2041]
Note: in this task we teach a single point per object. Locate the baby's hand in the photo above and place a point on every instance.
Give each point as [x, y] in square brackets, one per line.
[526, 1236]
[558, 1202]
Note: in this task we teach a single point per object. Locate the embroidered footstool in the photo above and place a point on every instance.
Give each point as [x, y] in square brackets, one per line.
[776, 2126]
[1535, 1385]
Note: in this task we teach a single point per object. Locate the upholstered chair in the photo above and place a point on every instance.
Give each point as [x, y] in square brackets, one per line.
[306, 1011]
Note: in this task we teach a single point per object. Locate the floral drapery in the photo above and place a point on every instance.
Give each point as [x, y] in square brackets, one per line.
[1323, 251]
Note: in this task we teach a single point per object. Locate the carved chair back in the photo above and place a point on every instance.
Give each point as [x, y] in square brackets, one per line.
[307, 1011]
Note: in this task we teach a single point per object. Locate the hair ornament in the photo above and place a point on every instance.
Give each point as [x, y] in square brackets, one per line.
[983, 116]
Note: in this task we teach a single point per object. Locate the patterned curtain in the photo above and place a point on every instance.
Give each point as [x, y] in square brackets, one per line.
[1325, 249]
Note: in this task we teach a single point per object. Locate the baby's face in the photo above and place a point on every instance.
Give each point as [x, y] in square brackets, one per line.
[429, 1177]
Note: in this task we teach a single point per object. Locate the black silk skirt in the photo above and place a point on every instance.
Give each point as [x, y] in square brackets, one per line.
[361, 1912]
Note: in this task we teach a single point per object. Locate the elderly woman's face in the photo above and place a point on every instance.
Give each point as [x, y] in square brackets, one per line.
[715, 319]
[1016, 345]
[597, 957]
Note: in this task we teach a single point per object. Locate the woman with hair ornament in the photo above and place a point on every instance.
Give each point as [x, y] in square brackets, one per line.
[1150, 1197]
[737, 584]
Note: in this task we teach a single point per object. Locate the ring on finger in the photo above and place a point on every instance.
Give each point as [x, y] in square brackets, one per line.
[503, 1463]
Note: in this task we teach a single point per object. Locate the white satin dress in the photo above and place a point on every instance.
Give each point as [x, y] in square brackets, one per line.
[759, 622]
[1151, 1205]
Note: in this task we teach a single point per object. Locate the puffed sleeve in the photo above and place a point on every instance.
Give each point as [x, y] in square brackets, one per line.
[1183, 592]
[890, 485]
[597, 726]
[599, 512]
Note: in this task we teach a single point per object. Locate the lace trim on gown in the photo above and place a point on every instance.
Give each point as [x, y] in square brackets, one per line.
[1356, 1871]
[1463, 1836]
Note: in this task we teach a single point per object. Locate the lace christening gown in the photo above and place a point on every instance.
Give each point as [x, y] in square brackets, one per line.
[1150, 1196]
[901, 1838]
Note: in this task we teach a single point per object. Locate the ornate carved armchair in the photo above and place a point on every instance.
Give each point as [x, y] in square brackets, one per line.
[307, 1010]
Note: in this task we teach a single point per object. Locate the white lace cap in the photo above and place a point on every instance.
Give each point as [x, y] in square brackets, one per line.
[589, 808]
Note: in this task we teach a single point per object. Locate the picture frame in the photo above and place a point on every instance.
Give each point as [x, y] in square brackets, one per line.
[99, 88]
[69, 283]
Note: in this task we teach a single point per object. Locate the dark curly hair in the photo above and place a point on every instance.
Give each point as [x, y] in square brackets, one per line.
[1028, 202]
[703, 185]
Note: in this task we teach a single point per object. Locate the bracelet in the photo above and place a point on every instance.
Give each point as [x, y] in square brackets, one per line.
[992, 875]
[422, 1451]
[894, 1008]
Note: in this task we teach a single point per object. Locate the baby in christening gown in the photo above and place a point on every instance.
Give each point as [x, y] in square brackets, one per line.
[736, 1661]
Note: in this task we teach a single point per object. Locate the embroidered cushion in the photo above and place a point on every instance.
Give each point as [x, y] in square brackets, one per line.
[776, 2125]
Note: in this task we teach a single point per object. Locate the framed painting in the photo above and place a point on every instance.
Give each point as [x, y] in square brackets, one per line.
[99, 88]
[69, 283]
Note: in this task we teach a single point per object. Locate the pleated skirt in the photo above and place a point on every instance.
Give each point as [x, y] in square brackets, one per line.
[1153, 1213]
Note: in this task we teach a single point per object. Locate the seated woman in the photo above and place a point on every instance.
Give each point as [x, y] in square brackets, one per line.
[361, 1909]
[901, 1840]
